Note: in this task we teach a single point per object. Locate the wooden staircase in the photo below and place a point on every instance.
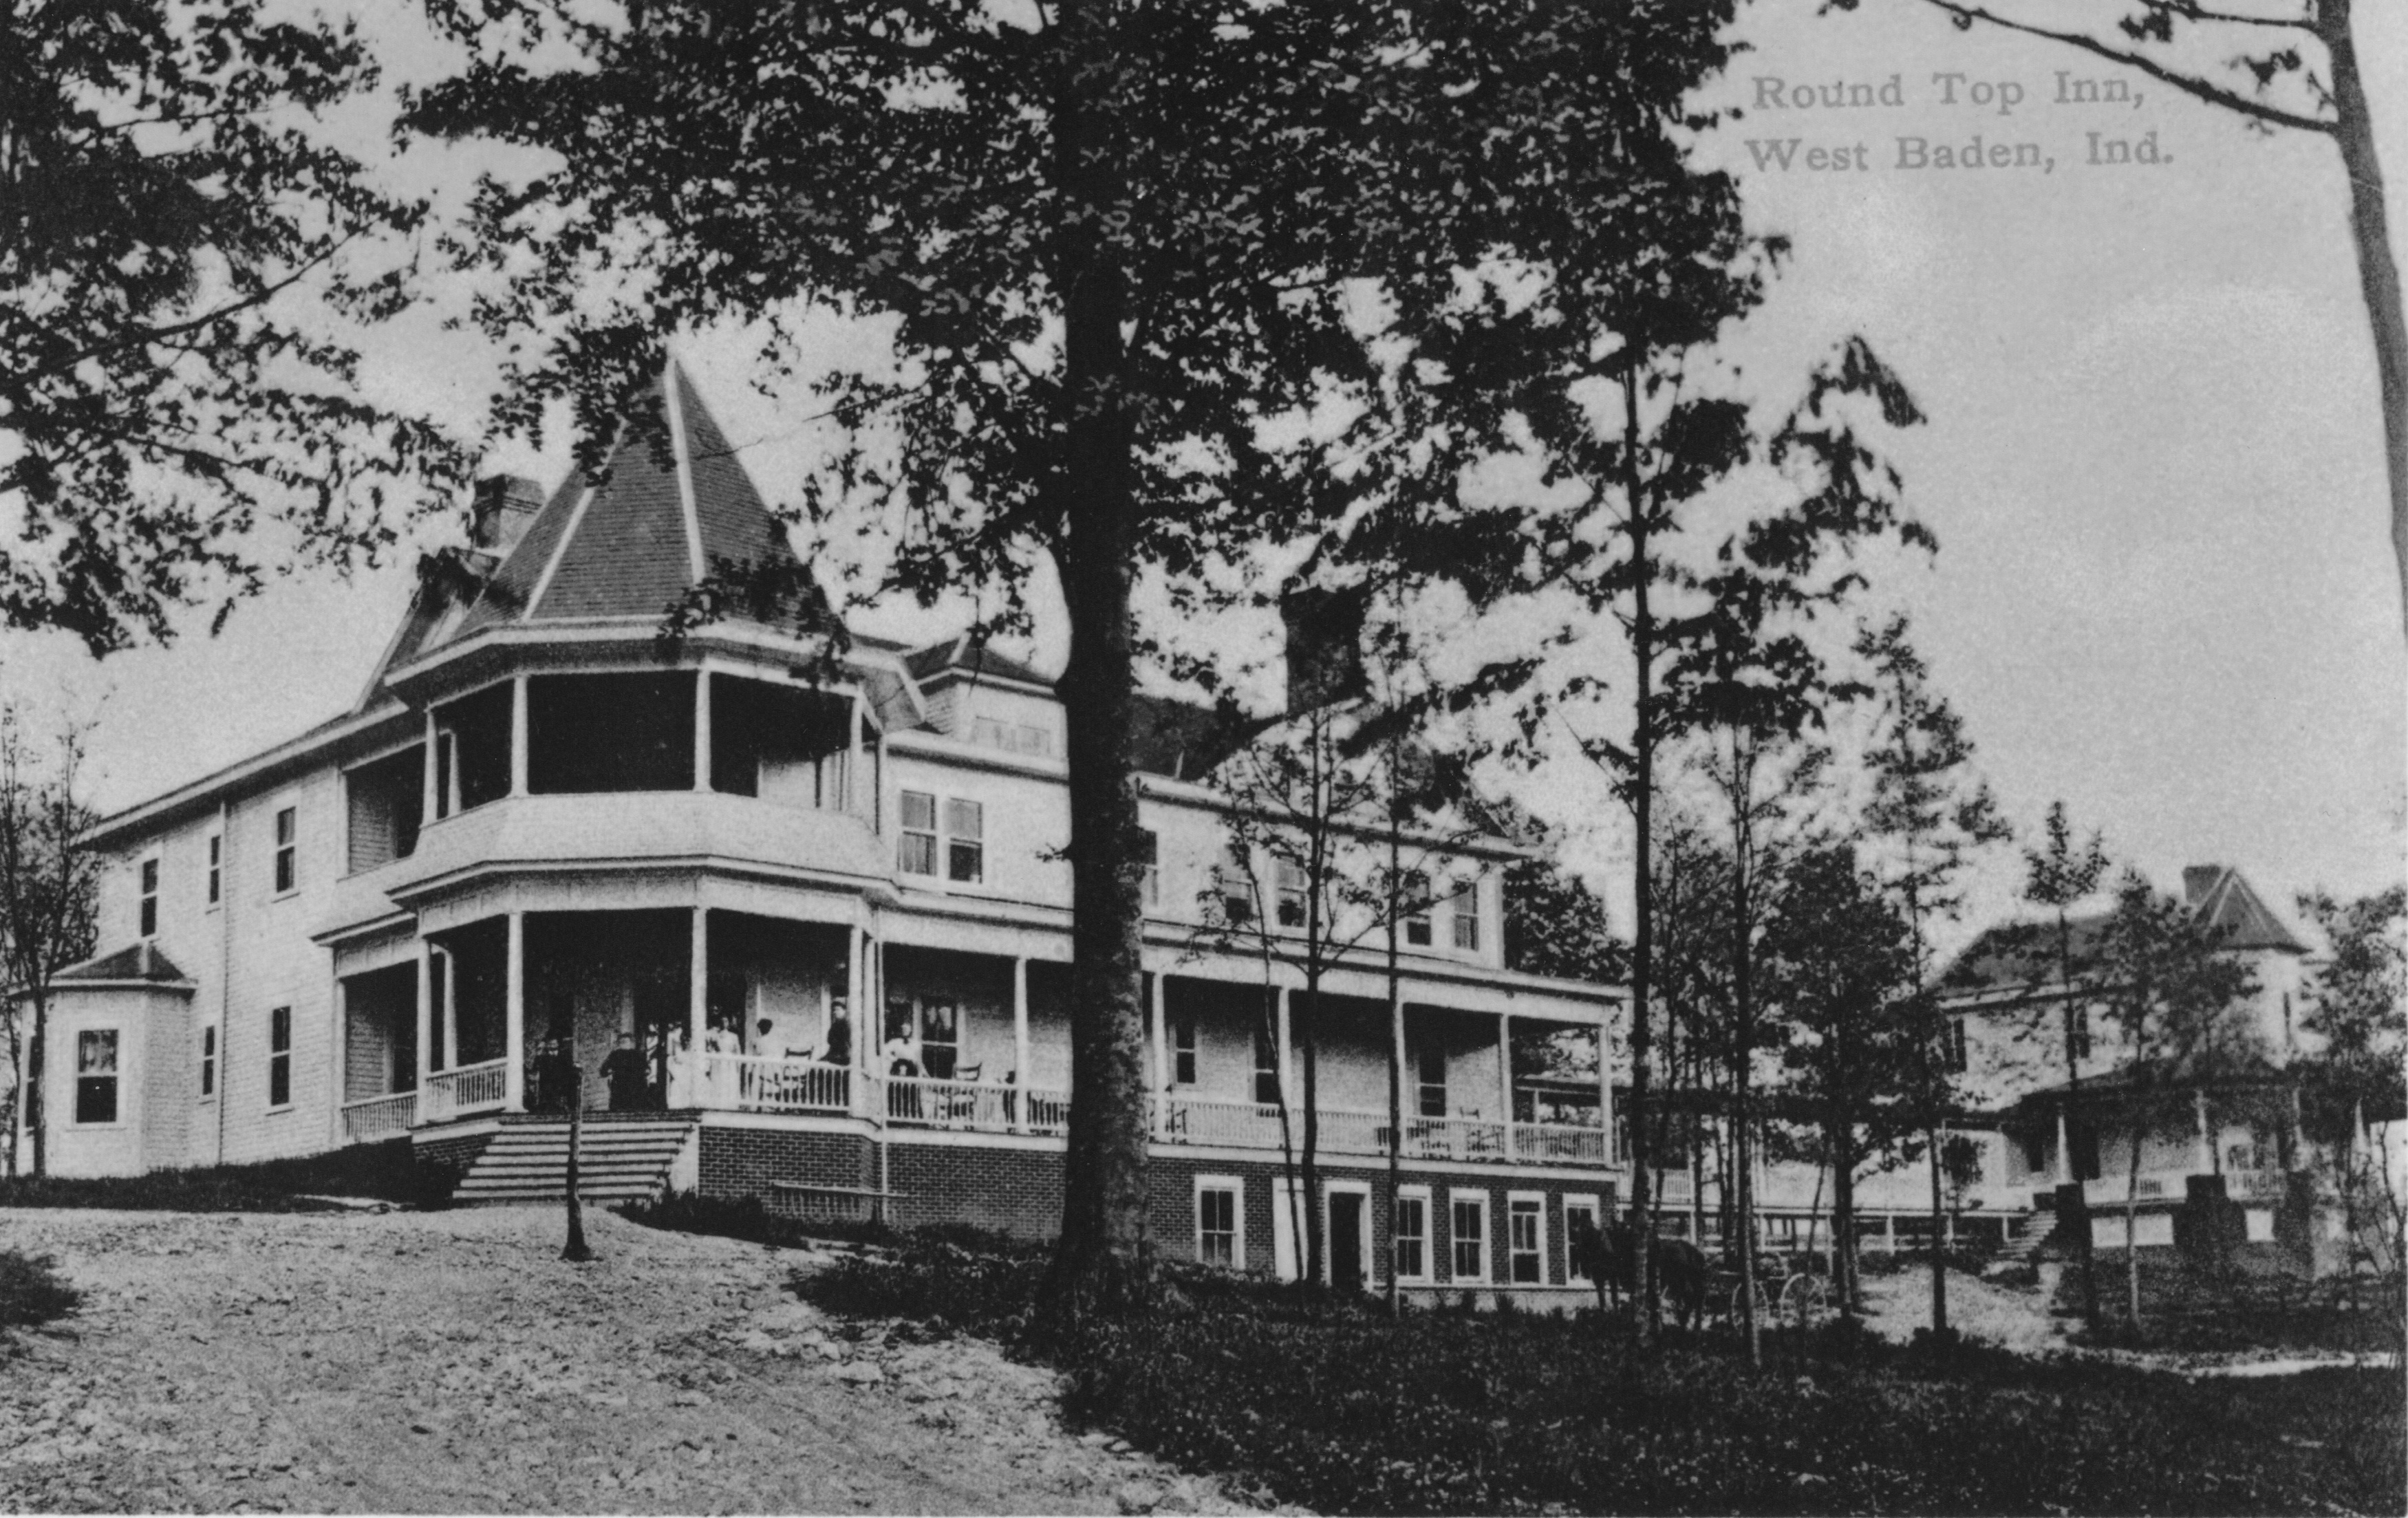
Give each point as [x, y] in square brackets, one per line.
[618, 1161]
[2031, 1231]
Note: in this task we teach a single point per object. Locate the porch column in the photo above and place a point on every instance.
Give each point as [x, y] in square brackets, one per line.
[426, 1025]
[2064, 1150]
[2206, 1156]
[698, 990]
[1020, 1038]
[1505, 1074]
[1605, 1085]
[856, 985]
[451, 1013]
[514, 1013]
[1408, 1101]
[1287, 1064]
[702, 729]
[429, 799]
[519, 735]
[1158, 1109]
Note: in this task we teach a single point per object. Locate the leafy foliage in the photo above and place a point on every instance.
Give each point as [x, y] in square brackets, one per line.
[50, 894]
[1336, 1407]
[179, 256]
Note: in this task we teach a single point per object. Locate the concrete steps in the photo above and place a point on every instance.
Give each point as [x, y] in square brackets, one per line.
[2031, 1231]
[616, 1162]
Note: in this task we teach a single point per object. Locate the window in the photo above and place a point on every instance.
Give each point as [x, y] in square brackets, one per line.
[1952, 1044]
[97, 1076]
[1011, 738]
[939, 1039]
[918, 847]
[1579, 1212]
[1467, 917]
[1149, 853]
[1267, 1072]
[209, 1060]
[1468, 1213]
[2086, 1151]
[149, 912]
[279, 1057]
[1411, 1232]
[1429, 1066]
[1220, 1233]
[1182, 1051]
[217, 857]
[1233, 882]
[287, 875]
[1417, 913]
[965, 848]
[1294, 885]
[1525, 1234]
[2035, 1147]
[1034, 739]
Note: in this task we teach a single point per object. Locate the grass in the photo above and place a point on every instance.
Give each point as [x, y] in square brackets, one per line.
[1335, 1407]
[381, 1172]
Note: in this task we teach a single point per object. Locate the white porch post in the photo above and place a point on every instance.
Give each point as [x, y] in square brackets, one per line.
[2206, 1156]
[1505, 1075]
[702, 729]
[430, 799]
[518, 734]
[697, 991]
[1020, 1038]
[1286, 1059]
[1408, 1101]
[2064, 1149]
[1605, 1084]
[1159, 1107]
[515, 1017]
[426, 1025]
[450, 1012]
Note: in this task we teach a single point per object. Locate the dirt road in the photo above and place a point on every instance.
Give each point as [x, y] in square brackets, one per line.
[450, 1362]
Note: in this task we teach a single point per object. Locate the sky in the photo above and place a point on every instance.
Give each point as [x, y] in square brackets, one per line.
[2164, 592]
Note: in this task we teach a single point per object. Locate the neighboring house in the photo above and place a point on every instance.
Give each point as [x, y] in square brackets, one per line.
[805, 923]
[2213, 1123]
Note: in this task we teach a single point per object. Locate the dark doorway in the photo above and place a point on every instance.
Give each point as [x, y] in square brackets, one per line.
[1346, 1241]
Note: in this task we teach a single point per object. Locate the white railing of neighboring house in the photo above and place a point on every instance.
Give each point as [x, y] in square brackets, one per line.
[1453, 1139]
[1550, 1143]
[378, 1117]
[1205, 1120]
[470, 1088]
[2267, 1186]
[759, 1083]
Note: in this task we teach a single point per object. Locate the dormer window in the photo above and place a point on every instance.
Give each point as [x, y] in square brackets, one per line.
[1011, 738]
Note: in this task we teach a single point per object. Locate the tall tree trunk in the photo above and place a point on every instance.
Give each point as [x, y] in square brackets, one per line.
[1394, 905]
[1098, 1265]
[1844, 1226]
[2378, 274]
[2133, 1223]
[1311, 1172]
[1742, 1046]
[575, 1249]
[2081, 1222]
[1643, 1318]
[36, 1107]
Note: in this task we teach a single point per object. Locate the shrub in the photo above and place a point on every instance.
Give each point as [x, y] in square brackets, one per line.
[745, 1218]
[1333, 1405]
[384, 1171]
[31, 1292]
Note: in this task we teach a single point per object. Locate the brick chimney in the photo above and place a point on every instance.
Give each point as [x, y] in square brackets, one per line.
[500, 512]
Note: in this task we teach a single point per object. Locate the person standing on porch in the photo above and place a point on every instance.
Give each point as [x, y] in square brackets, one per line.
[839, 1037]
[623, 1068]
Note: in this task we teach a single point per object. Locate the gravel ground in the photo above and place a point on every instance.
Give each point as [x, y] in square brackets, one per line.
[450, 1362]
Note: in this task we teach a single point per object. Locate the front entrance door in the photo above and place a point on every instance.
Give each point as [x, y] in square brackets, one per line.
[1346, 1241]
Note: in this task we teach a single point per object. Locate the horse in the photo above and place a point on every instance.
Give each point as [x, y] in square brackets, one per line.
[1610, 1258]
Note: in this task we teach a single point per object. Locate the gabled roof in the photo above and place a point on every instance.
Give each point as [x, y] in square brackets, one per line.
[2220, 898]
[2018, 954]
[958, 658]
[2213, 1068]
[136, 962]
[671, 506]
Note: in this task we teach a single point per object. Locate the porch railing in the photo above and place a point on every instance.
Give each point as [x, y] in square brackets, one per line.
[758, 1084]
[470, 1088]
[378, 1117]
[974, 1106]
[1244, 1125]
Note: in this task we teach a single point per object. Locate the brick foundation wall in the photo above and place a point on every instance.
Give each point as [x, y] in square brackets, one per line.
[744, 1162]
[454, 1155]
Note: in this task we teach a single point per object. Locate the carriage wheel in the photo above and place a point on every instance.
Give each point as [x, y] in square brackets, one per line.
[1805, 1299]
[1738, 1305]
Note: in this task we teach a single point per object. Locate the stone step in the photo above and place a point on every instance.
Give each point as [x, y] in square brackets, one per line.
[615, 1161]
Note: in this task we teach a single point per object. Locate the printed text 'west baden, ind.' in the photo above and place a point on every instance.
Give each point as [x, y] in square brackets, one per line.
[2008, 124]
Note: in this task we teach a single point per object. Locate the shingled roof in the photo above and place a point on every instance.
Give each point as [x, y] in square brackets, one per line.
[2018, 954]
[958, 658]
[136, 962]
[671, 506]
